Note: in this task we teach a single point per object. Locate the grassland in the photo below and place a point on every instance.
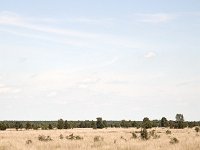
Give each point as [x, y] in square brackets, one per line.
[110, 139]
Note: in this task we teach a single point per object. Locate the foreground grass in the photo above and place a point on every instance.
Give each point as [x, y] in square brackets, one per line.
[104, 139]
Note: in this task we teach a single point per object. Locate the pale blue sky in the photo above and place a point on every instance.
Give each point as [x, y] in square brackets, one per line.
[116, 59]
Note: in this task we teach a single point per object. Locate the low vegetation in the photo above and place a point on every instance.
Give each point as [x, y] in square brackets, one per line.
[168, 132]
[100, 134]
[174, 140]
[73, 137]
[44, 138]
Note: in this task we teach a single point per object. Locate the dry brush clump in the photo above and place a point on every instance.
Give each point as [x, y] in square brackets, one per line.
[98, 139]
[153, 134]
[61, 136]
[44, 138]
[174, 141]
[72, 137]
[144, 134]
[123, 138]
[168, 132]
[197, 129]
[29, 142]
[134, 135]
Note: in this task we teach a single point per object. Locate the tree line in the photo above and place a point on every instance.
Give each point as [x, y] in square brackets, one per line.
[179, 123]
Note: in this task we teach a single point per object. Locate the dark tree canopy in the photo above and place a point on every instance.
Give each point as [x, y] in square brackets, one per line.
[99, 123]
[60, 124]
[146, 123]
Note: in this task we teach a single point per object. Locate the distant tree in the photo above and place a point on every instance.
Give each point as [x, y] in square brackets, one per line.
[50, 126]
[134, 124]
[191, 124]
[179, 121]
[82, 125]
[179, 117]
[2, 126]
[146, 123]
[67, 125]
[117, 125]
[164, 122]
[18, 125]
[99, 123]
[35, 126]
[94, 125]
[105, 123]
[155, 123]
[87, 124]
[44, 126]
[171, 124]
[28, 126]
[124, 124]
[60, 124]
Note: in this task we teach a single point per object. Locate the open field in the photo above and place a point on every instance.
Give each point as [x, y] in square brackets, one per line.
[111, 139]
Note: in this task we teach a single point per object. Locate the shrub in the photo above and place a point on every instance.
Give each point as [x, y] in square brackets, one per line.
[123, 138]
[197, 129]
[154, 135]
[2, 126]
[134, 136]
[78, 137]
[44, 138]
[61, 136]
[144, 134]
[29, 142]
[50, 126]
[115, 141]
[98, 138]
[72, 137]
[152, 132]
[173, 140]
[168, 132]
[137, 131]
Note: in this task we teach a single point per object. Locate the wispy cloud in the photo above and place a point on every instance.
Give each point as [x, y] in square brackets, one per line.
[149, 55]
[156, 17]
[5, 89]
[8, 18]
[67, 36]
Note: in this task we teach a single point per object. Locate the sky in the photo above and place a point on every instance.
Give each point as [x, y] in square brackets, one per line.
[79, 60]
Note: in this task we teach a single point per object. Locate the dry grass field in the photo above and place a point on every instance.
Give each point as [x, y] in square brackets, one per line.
[109, 139]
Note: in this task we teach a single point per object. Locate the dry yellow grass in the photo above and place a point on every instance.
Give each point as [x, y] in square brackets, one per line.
[113, 139]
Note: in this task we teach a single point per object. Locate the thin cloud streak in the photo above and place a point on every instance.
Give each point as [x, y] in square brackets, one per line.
[156, 18]
[89, 39]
